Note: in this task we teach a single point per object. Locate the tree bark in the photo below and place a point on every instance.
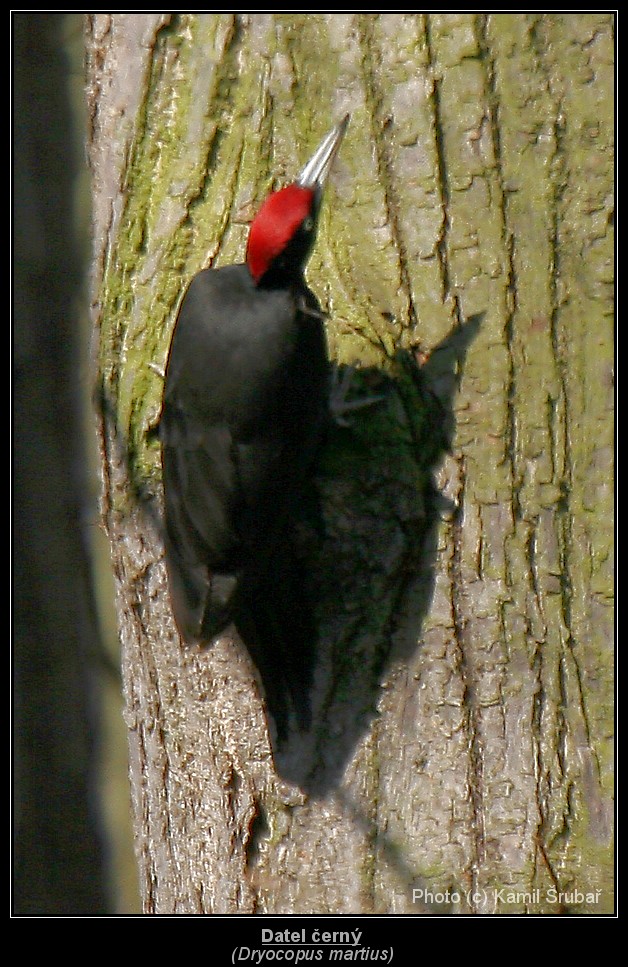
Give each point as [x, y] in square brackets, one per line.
[462, 750]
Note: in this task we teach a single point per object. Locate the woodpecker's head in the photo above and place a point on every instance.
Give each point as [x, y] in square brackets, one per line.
[283, 231]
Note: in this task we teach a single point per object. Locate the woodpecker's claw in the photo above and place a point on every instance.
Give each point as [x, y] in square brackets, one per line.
[339, 405]
[157, 369]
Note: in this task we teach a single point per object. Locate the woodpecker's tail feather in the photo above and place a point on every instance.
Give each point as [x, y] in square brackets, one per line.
[275, 621]
[272, 615]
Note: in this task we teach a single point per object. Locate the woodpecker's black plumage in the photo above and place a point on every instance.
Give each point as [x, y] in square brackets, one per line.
[244, 407]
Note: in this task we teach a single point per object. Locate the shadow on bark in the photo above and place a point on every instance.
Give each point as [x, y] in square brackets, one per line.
[371, 575]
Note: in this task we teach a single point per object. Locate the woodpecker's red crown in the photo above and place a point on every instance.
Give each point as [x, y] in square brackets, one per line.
[276, 223]
[284, 215]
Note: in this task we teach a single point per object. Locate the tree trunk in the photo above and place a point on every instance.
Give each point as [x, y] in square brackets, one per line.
[60, 863]
[461, 755]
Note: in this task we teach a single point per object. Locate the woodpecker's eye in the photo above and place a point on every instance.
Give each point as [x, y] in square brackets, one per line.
[308, 223]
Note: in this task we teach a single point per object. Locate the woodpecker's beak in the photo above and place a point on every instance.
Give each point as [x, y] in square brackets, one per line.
[316, 170]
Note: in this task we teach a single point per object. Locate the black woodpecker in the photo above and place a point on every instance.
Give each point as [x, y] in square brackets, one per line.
[245, 405]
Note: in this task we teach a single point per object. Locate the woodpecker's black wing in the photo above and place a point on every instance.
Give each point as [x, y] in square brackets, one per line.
[245, 401]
